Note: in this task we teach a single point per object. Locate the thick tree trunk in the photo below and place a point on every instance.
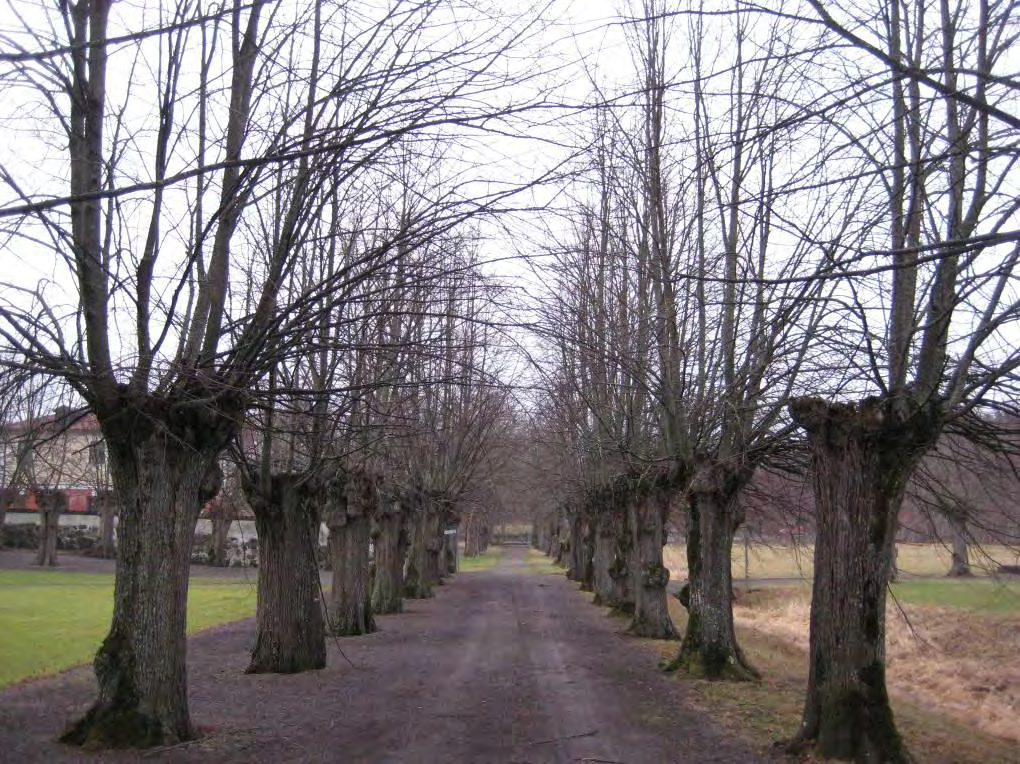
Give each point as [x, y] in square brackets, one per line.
[350, 601]
[607, 587]
[434, 545]
[861, 460]
[417, 581]
[52, 504]
[709, 647]
[107, 505]
[390, 548]
[290, 633]
[960, 565]
[647, 513]
[622, 569]
[161, 457]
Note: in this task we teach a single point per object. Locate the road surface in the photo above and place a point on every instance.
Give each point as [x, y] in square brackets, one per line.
[506, 666]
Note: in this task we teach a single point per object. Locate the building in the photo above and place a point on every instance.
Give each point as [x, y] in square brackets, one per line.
[61, 451]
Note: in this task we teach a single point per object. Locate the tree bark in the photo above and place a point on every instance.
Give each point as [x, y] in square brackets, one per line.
[575, 550]
[162, 456]
[52, 504]
[107, 504]
[647, 511]
[221, 519]
[960, 565]
[290, 633]
[607, 587]
[417, 581]
[622, 568]
[391, 543]
[861, 457]
[709, 647]
[6, 501]
[350, 601]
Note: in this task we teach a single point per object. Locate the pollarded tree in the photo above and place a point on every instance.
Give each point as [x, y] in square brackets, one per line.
[137, 218]
[930, 291]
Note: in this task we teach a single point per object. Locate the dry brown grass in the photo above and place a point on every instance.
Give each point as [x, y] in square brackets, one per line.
[770, 710]
[796, 560]
[965, 664]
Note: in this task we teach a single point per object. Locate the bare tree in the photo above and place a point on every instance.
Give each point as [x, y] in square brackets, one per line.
[931, 292]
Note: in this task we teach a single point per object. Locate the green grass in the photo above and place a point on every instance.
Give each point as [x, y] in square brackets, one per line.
[54, 621]
[487, 560]
[980, 595]
[540, 563]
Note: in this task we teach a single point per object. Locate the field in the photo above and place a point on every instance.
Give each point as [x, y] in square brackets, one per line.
[53, 621]
[953, 650]
[795, 560]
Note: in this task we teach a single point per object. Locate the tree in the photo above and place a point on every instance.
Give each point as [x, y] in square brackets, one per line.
[931, 319]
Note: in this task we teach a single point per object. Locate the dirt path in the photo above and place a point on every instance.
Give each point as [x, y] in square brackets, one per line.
[502, 667]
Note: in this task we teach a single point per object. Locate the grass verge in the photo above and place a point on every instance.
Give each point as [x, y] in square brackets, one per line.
[487, 560]
[53, 621]
[543, 564]
[949, 675]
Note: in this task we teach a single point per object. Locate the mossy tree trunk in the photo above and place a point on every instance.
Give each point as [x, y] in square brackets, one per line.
[709, 648]
[861, 457]
[52, 504]
[290, 633]
[350, 601]
[647, 513]
[7, 496]
[390, 538]
[162, 456]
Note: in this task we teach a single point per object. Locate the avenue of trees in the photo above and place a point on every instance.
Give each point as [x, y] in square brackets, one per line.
[251, 240]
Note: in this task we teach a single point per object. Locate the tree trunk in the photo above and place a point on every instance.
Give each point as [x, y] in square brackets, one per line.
[221, 519]
[107, 501]
[6, 501]
[709, 647]
[608, 588]
[622, 568]
[960, 566]
[472, 536]
[161, 457]
[587, 573]
[390, 548]
[575, 561]
[290, 633]
[861, 459]
[449, 554]
[52, 504]
[350, 601]
[433, 545]
[417, 582]
[647, 513]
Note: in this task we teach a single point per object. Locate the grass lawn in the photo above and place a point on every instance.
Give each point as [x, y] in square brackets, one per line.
[487, 560]
[53, 621]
